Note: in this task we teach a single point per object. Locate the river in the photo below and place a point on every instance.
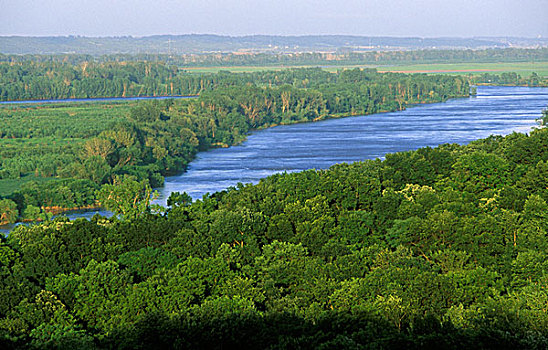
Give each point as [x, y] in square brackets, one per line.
[495, 110]
[318, 145]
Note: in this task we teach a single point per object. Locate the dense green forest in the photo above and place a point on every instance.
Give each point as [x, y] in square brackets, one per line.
[441, 247]
[83, 146]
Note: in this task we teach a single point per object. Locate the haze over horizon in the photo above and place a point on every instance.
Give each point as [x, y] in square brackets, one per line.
[422, 18]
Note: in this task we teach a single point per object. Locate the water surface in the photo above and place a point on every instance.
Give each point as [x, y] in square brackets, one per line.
[495, 110]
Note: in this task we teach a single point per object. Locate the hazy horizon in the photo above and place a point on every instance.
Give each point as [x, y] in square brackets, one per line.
[272, 35]
[391, 18]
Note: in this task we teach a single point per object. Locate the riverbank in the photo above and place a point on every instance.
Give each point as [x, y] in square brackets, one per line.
[236, 141]
[154, 139]
[55, 210]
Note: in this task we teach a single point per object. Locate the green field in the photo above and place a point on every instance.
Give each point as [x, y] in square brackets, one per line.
[56, 129]
[522, 68]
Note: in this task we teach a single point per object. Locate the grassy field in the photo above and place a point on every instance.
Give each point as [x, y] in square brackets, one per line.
[62, 116]
[522, 68]
[8, 186]
[28, 131]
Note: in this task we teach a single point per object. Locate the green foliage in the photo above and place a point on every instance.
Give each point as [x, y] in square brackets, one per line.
[179, 199]
[126, 197]
[185, 48]
[509, 78]
[144, 262]
[426, 247]
[8, 210]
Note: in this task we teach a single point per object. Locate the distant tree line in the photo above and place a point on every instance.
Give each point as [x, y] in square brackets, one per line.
[30, 79]
[341, 57]
[510, 78]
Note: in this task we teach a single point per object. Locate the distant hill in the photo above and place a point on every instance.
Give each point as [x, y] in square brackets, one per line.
[205, 43]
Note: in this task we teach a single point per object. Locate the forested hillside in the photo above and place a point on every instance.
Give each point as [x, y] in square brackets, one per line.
[441, 247]
[84, 146]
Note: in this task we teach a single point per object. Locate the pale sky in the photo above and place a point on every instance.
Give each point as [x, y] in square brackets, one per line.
[423, 18]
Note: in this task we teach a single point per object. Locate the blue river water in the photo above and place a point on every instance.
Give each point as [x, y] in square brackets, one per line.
[495, 111]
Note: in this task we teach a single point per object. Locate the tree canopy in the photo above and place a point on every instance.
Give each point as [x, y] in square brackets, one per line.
[438, 247]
